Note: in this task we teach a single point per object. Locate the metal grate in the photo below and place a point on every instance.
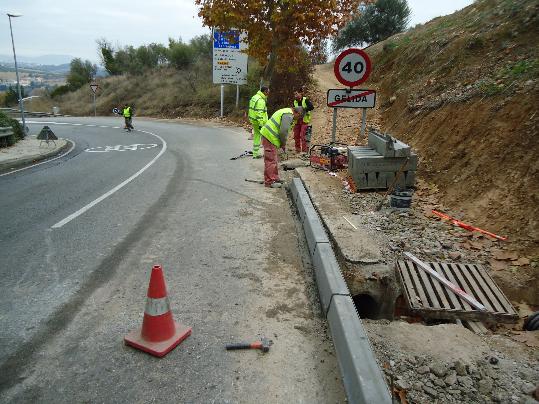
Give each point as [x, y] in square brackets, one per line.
[430, 299]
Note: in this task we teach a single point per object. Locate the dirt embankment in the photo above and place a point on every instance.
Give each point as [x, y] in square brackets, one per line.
[463, 90]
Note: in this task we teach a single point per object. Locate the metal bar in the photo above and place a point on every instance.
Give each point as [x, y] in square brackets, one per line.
[237, 96]
[222, 98]
[363, 121]
[18, 82]
[334, 131]
[454, 288]
[95, 110]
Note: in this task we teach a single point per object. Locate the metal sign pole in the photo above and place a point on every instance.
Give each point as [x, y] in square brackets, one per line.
[363, 121]
[222, 98]
[334, 131]
[95, 113]
[237, 95]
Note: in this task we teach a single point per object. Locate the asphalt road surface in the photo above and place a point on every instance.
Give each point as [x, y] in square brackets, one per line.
[80, 234]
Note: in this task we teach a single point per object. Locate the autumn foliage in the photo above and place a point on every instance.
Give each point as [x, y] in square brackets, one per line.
[277, 28]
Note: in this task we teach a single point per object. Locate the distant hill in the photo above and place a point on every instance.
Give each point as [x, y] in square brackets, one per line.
[39, 60]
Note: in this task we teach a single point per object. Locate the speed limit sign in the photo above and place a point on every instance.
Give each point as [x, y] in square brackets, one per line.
[352, 67]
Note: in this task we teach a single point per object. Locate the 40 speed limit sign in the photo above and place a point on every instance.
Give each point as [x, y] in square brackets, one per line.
[352, 67]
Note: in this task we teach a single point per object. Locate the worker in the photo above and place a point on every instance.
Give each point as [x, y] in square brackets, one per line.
[258, 116]
[302, 126]
[274, 134]
[127, 112]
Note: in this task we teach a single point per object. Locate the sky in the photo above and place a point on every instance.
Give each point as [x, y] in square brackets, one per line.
[71, 27]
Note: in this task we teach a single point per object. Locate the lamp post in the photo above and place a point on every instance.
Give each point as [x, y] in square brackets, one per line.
[17, 73]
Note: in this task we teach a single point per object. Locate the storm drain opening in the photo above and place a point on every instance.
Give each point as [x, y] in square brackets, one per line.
[366, 306]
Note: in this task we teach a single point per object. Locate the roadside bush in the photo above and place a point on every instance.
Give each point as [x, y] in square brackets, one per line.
[17, 128]
[60, 90]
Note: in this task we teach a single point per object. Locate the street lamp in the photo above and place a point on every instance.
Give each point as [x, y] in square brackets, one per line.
[17, 73]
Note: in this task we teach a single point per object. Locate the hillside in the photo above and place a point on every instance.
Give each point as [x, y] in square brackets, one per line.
[463, 90]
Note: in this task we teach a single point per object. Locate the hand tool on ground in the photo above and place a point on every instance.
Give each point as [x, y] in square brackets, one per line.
[467, 226]
[392, 186]
[255, 181]
[263, 345]
[244, 154]
[450, 285]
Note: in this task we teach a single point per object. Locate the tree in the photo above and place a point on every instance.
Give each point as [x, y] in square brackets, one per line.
[374, 23]
[80, 73]
[106, 54]
[180, 55]
[276, 27]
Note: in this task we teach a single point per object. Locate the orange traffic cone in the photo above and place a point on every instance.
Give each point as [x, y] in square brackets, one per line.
[159, 334]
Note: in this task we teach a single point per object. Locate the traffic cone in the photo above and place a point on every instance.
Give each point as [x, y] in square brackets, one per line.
[159, 334]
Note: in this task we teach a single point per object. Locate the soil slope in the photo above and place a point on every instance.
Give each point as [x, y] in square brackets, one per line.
[463, 91]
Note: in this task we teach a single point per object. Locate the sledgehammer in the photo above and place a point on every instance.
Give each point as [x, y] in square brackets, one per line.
[263, 345]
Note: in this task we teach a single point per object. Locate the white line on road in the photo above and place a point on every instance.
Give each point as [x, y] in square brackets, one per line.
[116, 188]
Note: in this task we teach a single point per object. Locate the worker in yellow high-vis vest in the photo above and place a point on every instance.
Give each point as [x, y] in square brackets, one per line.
[274, 134]
[302, 126]
[127, 113]
[258, 116]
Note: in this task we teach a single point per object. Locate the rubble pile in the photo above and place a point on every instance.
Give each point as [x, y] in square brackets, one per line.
[424, 379]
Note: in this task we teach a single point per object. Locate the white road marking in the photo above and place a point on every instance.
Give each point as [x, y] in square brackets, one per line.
[116, 188]
[43, 162]
[119, 147]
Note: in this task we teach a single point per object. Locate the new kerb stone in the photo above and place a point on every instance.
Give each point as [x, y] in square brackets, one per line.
[363, 379]
[314, 231]
[328, 275]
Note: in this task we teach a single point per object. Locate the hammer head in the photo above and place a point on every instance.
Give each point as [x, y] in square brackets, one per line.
[266, 342]
[263, 344]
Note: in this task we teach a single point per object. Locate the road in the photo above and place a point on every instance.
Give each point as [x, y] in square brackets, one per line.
[80, 234]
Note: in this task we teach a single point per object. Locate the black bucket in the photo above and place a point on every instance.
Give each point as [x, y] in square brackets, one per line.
[401, 199]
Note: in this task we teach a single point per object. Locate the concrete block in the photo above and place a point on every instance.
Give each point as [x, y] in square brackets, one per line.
[314, 231]
[328, 275]
[378, 163]
[388, 146]
[295, 185]
[410, 179]
[303, 203]
[363, 380]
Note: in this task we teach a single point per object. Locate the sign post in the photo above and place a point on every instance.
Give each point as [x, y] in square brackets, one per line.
[94, 87]
[229, 60]
[352, 67]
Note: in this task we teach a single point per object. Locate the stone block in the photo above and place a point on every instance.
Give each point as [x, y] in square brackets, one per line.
[328, 275]
[314, 231]
[362, 377]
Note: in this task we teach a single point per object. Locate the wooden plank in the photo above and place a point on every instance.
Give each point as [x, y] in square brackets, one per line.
[407, 283]
[429, 288]
[449, 275]
[495, 289]
[491, 295]
[441, 291]
[417, 285]
[455, 301]
[463, 272]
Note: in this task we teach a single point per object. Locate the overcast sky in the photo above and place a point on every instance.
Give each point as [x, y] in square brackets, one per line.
[71, 27]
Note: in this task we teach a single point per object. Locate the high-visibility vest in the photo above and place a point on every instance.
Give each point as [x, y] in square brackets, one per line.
[307, 116]
[272, 128]
[257, 108]
[127, 112]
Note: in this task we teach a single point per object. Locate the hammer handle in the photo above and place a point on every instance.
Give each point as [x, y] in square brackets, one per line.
[244, 345]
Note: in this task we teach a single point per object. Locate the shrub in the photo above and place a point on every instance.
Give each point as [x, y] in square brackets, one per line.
[17, 128]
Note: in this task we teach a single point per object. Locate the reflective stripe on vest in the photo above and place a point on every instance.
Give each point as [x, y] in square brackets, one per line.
[272, 128]
[307, 116]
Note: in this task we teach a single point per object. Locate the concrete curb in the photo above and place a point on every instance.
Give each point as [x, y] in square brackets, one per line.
[22, 161]
[363, 380]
